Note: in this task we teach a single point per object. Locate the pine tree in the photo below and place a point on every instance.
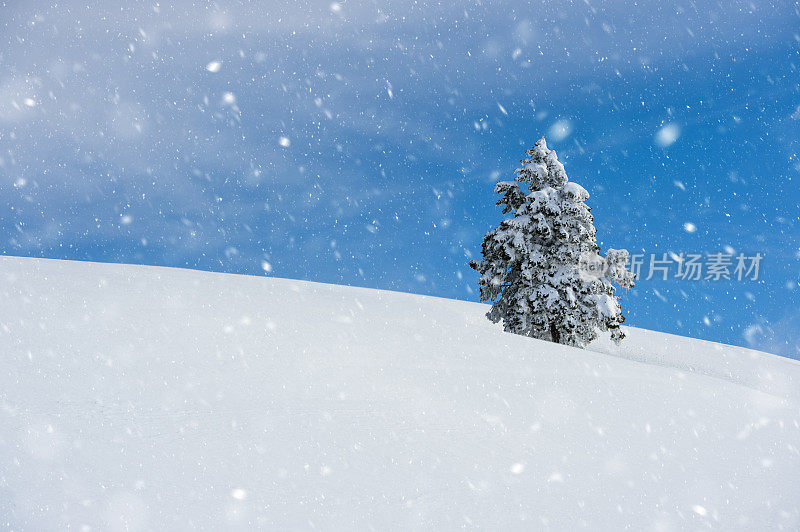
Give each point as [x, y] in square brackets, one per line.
[541, 269]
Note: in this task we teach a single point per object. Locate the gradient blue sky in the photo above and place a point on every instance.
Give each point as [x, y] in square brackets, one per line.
[358, 142]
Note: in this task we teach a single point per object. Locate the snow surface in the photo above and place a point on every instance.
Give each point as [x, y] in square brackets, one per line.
[149, 398]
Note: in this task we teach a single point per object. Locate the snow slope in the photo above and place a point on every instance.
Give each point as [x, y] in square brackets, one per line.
[150, 398]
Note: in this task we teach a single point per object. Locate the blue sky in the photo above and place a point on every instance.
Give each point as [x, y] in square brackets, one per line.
[358, 142]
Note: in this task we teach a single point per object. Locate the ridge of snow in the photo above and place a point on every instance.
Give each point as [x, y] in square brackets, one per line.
[753, 369]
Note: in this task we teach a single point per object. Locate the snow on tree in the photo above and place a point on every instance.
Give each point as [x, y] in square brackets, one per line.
[541, 269]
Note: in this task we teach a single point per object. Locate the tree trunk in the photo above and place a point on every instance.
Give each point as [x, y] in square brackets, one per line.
[555, 335]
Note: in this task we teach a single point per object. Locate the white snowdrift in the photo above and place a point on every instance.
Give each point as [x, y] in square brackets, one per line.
[151, 398]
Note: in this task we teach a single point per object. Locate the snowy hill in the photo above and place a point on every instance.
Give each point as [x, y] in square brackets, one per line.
[152, 398]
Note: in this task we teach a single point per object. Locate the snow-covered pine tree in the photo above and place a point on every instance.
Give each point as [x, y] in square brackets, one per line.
[541, 269]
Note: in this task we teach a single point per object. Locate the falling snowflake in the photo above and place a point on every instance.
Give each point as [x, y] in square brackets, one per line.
[560, 130]
[667, 135]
